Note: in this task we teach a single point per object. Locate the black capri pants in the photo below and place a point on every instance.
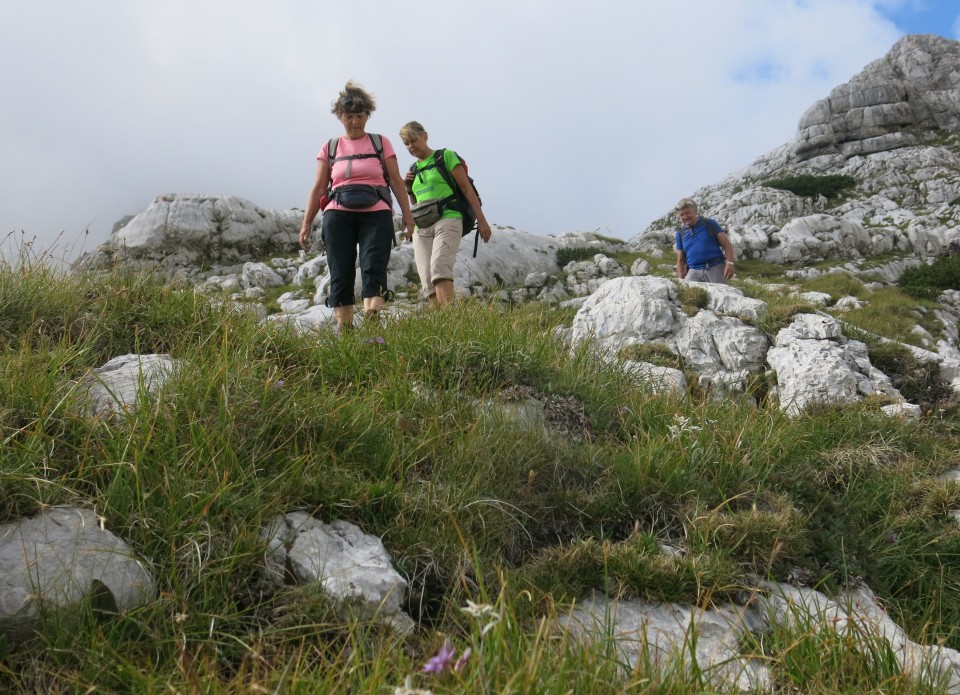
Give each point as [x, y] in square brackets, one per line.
[346, 231]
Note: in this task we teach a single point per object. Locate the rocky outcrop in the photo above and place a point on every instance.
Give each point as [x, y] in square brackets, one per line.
[811, 359]
[188, 230]
[895, 130]
[915, 87]
[815, 363]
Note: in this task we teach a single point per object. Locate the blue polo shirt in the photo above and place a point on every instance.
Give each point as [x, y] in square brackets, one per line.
[699, 242]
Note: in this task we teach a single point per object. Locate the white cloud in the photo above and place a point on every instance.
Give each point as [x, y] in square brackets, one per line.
[572, 115]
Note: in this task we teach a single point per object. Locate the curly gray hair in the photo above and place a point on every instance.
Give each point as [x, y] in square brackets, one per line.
[353, 99]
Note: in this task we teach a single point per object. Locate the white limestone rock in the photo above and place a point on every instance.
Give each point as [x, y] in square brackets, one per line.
[858, 617]
[120, 383]
[668, 636]
[656, 378]
[723, 349]
[61, 557]
[259, 274]
[194, 230]
[814, 363]
[628, 310]
[351, 566]
[731, 301]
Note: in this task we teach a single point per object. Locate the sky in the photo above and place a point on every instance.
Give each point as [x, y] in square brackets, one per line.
[572, 116]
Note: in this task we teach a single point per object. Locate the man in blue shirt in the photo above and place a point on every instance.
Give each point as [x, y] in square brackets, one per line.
[704, 251]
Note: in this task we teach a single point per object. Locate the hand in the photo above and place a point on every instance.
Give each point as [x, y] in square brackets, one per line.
[483, 229]
[728, 271]
[304, 236]
[408, 224]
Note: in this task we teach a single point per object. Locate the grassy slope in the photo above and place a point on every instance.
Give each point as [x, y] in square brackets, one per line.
[394, 435]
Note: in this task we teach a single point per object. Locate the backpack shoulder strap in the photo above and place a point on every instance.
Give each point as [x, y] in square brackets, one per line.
[377, 140]
[442, 168]
[712, 226]
[332, 151]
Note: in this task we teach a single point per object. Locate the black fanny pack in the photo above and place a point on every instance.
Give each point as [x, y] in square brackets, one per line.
[358, 196]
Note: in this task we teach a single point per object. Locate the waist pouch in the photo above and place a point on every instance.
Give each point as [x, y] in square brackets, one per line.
[427, 212]
[357, 196]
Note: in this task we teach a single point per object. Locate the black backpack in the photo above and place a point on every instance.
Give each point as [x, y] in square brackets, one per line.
[458, 201]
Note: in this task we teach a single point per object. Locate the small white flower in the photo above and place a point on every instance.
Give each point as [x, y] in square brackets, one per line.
[479, 610]
[483, 611]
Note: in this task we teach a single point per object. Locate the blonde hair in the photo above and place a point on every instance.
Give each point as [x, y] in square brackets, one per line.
[411, 131]
[353, 99]
[686, 203]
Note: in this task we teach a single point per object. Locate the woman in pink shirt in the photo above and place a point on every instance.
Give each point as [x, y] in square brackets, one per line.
[353, 190]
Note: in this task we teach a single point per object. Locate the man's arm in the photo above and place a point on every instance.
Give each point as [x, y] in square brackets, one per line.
[681, 264]
[727, 247]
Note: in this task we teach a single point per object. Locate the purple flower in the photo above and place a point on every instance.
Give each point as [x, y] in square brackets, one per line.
[441, 662]
[378, 340]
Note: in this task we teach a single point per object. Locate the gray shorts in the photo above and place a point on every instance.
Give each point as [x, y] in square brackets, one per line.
[711, 274]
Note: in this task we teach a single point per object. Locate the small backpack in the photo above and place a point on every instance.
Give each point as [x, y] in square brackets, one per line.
[383, 192]
[458, 201]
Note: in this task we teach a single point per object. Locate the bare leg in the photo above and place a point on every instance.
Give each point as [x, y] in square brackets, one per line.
[344, 316]
[445, 293]
[372, 304]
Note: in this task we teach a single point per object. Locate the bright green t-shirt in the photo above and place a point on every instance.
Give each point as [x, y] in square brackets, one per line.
[428, 183]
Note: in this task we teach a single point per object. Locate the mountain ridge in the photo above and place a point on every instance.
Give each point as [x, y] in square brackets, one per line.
[894, 128]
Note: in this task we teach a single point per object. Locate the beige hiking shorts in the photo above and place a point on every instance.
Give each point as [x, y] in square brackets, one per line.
[435, 250]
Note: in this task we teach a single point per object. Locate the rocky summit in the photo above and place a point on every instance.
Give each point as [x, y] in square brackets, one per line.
[894, 130]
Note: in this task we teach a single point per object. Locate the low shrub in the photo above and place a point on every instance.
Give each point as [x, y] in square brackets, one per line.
[808, 185]
[928, 281]
[575, 253]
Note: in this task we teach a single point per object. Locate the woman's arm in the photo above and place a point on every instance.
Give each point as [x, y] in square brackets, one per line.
[400, 191]
[313, 201]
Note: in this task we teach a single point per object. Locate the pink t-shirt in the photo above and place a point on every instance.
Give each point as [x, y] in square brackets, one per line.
[366, 171]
